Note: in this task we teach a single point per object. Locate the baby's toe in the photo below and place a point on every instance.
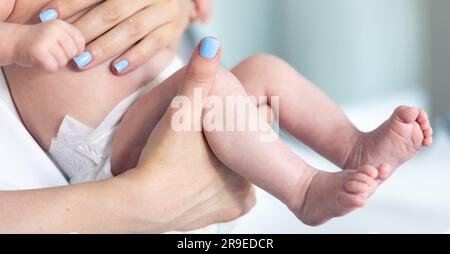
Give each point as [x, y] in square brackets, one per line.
[428, 132]
[359, 183]
[423, 117]
[356, 187]
[406, 114]
[385, 171]
[428, 141]
[370, 171]
[425, 125]
[351, 201]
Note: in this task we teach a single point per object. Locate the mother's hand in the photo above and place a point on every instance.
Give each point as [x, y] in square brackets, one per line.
[113, 26]
[205, 190]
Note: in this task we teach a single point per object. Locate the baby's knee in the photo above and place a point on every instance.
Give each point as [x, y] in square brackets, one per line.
[264, 69]
[226, 84]
[263, 59]
[264, 63]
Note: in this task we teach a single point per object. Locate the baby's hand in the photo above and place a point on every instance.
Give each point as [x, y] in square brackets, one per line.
[202, 11]
[49, 45]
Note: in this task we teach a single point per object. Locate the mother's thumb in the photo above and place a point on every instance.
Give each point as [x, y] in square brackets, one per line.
[202, 68]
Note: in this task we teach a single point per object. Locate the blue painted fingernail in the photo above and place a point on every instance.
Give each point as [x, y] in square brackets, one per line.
[48, 15]
[121, 66]
[82, 60]
[209, 48]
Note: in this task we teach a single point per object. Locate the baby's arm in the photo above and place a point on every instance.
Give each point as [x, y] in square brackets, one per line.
[50, 45]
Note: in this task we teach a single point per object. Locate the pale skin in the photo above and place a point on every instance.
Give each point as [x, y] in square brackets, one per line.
[142, 200]
[118, 29]
[306, 113]
[272, 166]
[156, 196]
[310, 116]
[24, 81]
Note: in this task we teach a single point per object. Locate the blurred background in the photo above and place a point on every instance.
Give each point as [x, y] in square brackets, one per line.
[370, 56]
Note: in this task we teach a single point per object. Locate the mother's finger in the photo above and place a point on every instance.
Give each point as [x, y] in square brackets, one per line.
[107, 15]
[127, 34]
[64, 9]
[202, 69]
[144, 50]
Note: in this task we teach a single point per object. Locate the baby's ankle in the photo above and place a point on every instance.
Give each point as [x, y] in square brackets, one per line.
[296, 200]
[355, 143]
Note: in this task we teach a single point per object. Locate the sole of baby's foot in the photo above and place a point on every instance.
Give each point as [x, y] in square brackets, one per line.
[332, 195]
[396, 141]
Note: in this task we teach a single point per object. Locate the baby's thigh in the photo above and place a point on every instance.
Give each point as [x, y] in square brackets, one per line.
[227, 84]
[262, 75]
[138, 123]
[254, 71]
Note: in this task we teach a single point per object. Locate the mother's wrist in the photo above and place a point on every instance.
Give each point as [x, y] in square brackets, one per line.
[143, 199]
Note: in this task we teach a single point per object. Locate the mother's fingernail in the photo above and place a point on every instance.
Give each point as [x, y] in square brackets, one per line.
[82, 60]
[121, 66]
[48, 15]
[209, 48]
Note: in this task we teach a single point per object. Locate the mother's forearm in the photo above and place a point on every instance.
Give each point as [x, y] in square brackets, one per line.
[112, 206]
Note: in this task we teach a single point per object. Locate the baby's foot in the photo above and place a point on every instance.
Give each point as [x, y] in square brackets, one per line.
[331, 195]
[395, 142]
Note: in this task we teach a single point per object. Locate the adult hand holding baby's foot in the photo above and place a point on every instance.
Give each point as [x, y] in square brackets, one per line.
[48, 45]
[184, 157]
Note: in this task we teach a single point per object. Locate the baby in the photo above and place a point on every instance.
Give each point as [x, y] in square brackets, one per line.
[95, 124]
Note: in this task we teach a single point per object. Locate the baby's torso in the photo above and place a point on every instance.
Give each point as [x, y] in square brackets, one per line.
[43, 99]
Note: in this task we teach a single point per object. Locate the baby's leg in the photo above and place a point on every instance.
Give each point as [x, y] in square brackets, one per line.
[305, 111]
[315, 197]
[309, 115]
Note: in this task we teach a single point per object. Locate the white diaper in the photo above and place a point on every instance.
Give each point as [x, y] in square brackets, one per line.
[83, 154]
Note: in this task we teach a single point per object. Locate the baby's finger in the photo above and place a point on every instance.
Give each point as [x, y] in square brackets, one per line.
[51, 65]
[46, 61]
[69, 46]
[59, 55]
[205, 10]
[77, 37]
